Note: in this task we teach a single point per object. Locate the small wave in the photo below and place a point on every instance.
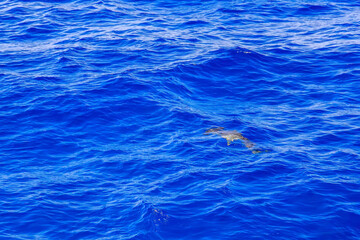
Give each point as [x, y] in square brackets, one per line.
[104, 105]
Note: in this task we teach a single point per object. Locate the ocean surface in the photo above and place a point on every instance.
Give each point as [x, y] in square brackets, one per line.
[104, 106]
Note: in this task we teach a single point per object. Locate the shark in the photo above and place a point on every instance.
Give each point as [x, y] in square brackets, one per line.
[232, 135]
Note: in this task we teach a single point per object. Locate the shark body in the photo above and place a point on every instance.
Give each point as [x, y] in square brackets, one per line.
[232, 135]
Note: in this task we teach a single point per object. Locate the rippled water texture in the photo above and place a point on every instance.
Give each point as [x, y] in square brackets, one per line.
[104, 105]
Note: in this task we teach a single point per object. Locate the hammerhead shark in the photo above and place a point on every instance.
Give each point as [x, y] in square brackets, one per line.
[232, 135]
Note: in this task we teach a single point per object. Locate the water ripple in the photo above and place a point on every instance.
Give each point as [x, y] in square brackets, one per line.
[104, 106]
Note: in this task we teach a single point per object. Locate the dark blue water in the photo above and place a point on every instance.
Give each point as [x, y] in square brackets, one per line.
[104, 105]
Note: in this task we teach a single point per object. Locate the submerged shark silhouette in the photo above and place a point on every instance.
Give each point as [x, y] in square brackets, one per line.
[232, 135]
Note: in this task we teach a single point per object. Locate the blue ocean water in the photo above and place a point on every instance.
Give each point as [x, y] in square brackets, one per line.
[104, 105]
